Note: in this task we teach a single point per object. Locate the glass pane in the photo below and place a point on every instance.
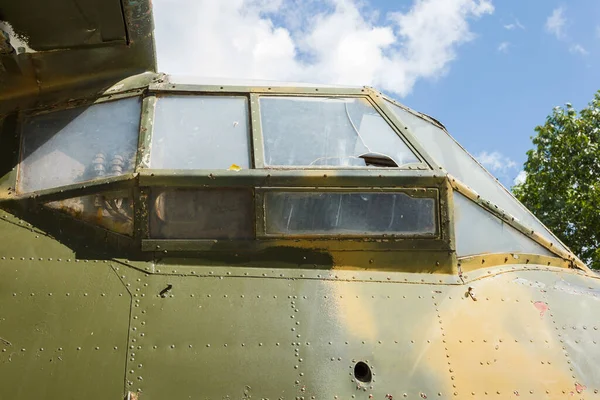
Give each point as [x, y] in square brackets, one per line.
[79, 144]
[202, 214]
[113, 211]
[480, 232]
[450, 155]
[317, 132]
[349, 213]
[200, 132]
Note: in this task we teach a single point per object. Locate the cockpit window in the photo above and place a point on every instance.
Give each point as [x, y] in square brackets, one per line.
[113, 211]
[202, 214]
[200, 132]
[79, 144]
[329, 132]
[356, 213]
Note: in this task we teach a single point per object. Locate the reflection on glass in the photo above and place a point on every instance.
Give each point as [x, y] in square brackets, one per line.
[202, 214]
[79, 144]
[318, 131]
[349, 213]
[113, 211]
[451, 156]
[479, 232]
[200, 132]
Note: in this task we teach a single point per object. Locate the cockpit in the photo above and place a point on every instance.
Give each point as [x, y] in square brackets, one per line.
[170, 164]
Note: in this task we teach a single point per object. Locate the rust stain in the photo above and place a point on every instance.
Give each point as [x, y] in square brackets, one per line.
[541, 306]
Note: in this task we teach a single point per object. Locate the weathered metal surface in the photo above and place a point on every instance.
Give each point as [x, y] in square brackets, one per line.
[91, 51]
[63, 321]
[86, 310]
[292, 332]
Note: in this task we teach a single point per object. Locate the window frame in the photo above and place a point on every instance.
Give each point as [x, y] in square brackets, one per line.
[259, 142]
[148, 120]
[261, 215]
[90, 186]
[429, 254]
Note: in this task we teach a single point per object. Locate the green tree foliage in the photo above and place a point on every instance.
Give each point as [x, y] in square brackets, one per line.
[562, 187]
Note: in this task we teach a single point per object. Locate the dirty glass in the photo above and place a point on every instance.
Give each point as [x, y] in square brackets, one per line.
[479, 232]
[451, 156]
[200, 132]
[79, 144]
[357, 213]
[332, 132]
[202, 214]
[113, 211]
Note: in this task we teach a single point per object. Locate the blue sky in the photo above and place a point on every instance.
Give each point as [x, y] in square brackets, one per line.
[489, 70]
[491, 100]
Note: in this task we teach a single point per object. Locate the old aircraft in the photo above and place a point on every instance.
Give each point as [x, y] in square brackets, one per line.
[164, 237]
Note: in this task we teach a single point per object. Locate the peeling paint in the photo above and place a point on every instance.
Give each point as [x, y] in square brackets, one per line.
[20, 43]
[576, 290]
[527, 282]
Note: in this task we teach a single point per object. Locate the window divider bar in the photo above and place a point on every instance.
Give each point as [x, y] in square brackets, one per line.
[145, 134]
[258, 149]
[403, 129]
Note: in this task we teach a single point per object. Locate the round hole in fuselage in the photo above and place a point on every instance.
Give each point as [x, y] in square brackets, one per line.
[362, 372]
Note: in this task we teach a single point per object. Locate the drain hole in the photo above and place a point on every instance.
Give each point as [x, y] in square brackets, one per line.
[362, 372]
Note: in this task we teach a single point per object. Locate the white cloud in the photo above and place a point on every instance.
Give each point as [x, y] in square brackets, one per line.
[503, 47]
[496, 162]
[520, 178]
[555, 24]
[578, 49]
[514, 25]
[337, 42]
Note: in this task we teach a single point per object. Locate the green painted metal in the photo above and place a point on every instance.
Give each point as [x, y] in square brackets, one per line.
[63, 321]
[201, 328]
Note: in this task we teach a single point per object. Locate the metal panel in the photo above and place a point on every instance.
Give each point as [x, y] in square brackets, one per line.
[211, 337]
[391, 327]
[499, 343]
[63, 328]
[574, 307]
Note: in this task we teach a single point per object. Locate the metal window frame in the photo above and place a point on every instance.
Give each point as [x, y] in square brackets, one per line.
[423, 164]
[90, 186]
[148, 118]
[375, 179]
[421, 192]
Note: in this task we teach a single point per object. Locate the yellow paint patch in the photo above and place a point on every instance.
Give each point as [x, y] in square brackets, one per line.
[356, 315]
[235, 167]
[501, 344]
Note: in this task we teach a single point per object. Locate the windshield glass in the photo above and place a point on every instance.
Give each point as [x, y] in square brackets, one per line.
[358, 213]
[320, 131]
[79, 144]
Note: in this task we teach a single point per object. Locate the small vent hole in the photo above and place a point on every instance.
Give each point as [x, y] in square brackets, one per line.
[362, 372]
